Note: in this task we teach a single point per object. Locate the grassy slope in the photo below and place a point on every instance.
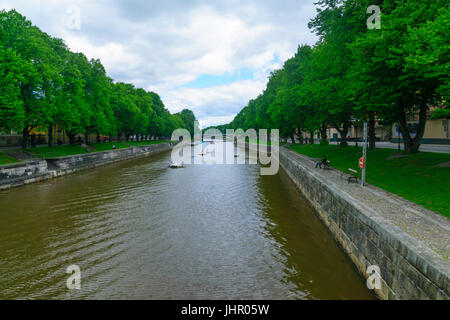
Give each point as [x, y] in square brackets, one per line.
[147, 143]
[268, 142]
[67, 150]
[57, 151]
[5, 159]
[413, 177]
[108, 146]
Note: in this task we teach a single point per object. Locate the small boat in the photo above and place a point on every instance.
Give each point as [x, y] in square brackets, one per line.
[176, 165]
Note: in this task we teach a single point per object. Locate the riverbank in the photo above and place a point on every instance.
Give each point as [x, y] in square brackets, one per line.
[409, 243]
[36, 170]
[423, 178]
[6, 159]
[10, 155]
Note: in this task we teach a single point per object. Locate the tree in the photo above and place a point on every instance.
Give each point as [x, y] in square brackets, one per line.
[383, 58]
[188, 119]
[13, 73]
[45, 85]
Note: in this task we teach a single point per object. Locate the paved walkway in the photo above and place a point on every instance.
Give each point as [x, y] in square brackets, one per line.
[431, 229]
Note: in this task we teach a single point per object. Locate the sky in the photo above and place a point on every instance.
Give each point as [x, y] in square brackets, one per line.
[208, 56]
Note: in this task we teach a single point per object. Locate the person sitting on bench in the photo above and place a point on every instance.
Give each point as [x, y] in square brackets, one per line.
[323, 162]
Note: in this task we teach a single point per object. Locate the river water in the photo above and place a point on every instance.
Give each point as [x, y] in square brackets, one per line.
[139, 230]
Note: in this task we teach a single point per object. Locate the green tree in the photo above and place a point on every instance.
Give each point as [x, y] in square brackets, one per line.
[13, 74]
[383, 60]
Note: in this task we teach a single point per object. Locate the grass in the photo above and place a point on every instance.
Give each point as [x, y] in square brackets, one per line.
[268, 142]
[147, 143]
[416, 177]
[67, 150]
[5, 159]
[57, 151]
[109, 146]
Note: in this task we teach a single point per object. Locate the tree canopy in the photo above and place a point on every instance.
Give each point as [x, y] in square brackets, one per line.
[43, 84]
[354, 73]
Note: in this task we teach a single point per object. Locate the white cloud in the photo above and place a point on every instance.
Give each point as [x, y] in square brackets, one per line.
[215, 100]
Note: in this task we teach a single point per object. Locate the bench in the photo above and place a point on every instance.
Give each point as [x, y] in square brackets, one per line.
[353, 175]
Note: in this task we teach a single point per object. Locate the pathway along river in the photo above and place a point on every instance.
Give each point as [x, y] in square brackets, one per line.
[139, 230]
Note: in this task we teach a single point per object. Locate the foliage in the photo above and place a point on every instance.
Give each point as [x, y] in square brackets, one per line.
[43, 85]
[441, 114]
[355, 74]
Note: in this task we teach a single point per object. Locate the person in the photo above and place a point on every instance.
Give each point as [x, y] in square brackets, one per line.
[323, 162]
[114, 147]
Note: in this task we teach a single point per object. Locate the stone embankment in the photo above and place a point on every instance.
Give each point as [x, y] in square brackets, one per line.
[39, 170]
[408, 243]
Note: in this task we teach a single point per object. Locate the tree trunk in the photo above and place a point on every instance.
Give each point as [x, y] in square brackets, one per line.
[292, 138]
[412, 144]
[371, 133]
[98, 137]
[50, 135]
[33, 140]
[343, 133]
[86, 138]
[25, 135]
[71, 138]
[300, 135]
[311, 140]
[323, 134]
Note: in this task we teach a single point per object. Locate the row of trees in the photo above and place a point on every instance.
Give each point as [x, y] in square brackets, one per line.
[43, 84]
[354, 73]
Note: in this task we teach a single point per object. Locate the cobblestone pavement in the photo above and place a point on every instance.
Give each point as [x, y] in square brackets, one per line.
[431, 229]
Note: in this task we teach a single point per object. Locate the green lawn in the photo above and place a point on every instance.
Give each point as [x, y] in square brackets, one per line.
[417, 177]
[5, 159]
[147, 143]
[108, 146]
[268, 142]
[57, 151]
[67, 150]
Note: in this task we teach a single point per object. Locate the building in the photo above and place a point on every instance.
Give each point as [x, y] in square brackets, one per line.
[436, 130]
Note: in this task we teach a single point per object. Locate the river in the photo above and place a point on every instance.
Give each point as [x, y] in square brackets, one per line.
[139, 230]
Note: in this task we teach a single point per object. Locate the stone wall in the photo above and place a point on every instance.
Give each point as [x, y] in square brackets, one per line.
[409, 270]
[90, 160]
[23, 173]
[38, 170]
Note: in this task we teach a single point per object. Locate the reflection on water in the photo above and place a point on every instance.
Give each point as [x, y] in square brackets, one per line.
[139, 230]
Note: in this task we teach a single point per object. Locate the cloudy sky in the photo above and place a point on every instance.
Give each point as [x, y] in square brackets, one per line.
[209, 56]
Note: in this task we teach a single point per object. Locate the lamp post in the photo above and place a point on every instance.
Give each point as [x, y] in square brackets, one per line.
[364, 157]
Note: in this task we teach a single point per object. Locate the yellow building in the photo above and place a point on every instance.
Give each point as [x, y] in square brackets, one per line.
[437, 131]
